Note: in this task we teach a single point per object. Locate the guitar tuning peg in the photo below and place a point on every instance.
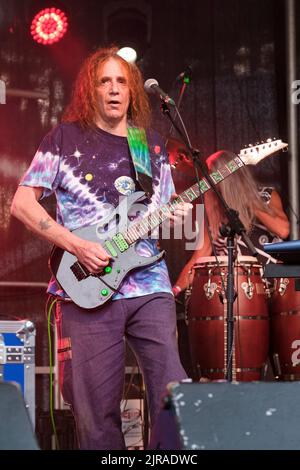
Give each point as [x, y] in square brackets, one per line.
[269, 141]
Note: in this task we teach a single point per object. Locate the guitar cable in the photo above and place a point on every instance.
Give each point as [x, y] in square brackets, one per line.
[49, 311]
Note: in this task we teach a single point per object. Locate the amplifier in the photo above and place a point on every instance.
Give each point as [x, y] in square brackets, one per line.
[17, 359]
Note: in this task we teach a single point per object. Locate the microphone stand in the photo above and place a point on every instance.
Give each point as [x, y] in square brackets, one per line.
[230, 230]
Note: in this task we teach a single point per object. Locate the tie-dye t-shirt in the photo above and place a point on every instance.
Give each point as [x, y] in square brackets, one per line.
[88, 170]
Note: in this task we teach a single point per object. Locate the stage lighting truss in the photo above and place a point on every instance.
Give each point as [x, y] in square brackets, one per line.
[49, 26]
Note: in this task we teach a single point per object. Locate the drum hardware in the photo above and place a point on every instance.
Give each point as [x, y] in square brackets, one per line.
[248, 369]
[248, 287]
[207, 318]
[199, 372]
[204, 380]
[287, 313]
[283, 283]
[268, 286]
[201, 378]
[251, 317]
[212, 370]
[264, 371]
[223, 371]
[290, 377]
[210, 289]
[235, 318]
[277, 367]
[190, 276]
[222, 289]
[222, 295]
[187, 296]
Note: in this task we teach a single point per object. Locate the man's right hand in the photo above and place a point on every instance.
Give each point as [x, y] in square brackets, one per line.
[91, 255]
[25, 207]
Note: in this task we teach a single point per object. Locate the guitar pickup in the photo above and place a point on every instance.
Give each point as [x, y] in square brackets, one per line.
[120, 242]
[79, 271]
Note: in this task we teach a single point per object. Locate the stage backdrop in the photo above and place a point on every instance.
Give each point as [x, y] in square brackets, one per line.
[235, 97]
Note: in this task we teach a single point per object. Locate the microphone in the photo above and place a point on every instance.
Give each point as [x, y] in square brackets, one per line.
[151, 86]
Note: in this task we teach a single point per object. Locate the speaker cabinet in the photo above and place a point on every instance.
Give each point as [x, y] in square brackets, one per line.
[15, 426]
[229, 416]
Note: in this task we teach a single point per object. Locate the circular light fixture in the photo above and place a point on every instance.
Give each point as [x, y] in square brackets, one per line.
[128, 53]
[49, 26]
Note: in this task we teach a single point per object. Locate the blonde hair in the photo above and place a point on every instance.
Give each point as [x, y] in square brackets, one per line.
[239, 190]
[84, 106]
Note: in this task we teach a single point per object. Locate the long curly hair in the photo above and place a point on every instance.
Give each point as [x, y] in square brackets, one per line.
[83, 106]
[240, 191]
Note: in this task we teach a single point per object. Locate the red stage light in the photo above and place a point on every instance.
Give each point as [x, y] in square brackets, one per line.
[49, 26]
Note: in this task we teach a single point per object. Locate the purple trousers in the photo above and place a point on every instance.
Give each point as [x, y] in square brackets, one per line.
[91, 353]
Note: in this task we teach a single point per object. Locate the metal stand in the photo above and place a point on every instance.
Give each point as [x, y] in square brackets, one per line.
[233, 227]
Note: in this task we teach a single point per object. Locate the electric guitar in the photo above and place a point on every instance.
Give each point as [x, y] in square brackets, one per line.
[92, 290]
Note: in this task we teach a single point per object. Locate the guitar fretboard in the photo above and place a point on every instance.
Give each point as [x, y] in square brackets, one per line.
[151, 221]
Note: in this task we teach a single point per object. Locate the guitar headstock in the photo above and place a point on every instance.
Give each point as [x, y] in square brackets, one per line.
[254, 154]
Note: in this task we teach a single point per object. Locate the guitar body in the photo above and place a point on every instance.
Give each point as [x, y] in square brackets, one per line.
[88, 290]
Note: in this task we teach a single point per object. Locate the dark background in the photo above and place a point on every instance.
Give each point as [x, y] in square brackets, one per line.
[236, 97]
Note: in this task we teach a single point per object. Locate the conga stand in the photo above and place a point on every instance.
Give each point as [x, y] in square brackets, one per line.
[230, 294]
[233, 227]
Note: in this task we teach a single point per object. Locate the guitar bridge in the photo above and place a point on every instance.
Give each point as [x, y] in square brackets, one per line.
[79, 271]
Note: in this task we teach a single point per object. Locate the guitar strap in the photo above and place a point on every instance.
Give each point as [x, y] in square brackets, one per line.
[139, 152]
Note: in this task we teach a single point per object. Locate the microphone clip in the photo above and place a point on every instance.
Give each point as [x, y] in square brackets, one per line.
[164, 107]
[185, 76]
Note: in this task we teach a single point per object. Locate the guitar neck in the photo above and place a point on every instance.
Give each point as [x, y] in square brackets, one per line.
[153, 220]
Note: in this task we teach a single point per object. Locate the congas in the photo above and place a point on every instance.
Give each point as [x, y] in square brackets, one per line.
[206, 313]
[285, 329]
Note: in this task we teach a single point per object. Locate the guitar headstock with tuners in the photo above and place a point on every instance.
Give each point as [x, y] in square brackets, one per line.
[255, 153]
